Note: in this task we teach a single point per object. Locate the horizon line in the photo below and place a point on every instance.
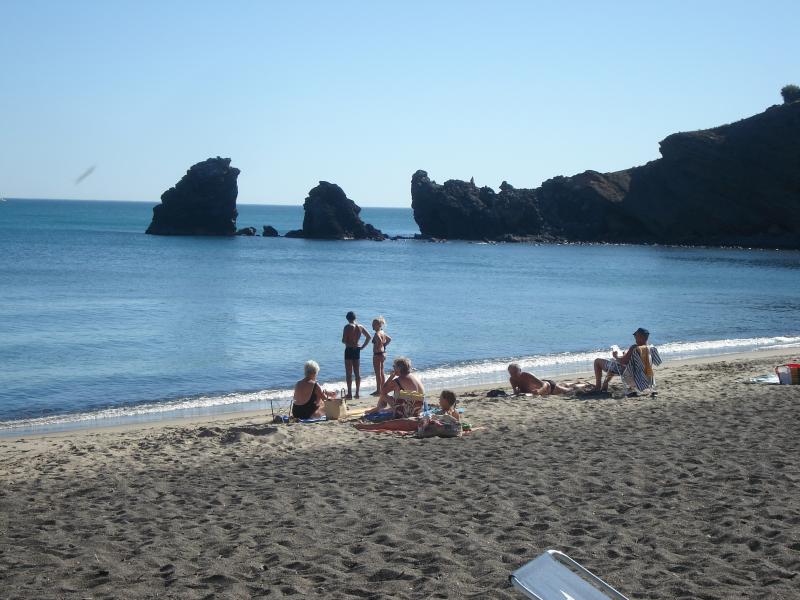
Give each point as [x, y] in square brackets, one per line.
[159, 202]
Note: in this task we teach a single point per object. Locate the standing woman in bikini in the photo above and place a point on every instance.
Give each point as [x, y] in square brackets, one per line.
[379, 342]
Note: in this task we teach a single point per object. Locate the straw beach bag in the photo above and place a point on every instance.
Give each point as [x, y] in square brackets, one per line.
[335, 409]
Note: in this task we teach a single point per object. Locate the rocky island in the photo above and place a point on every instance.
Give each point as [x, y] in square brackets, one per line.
[736, 185]
[331, 215]
[203, 202]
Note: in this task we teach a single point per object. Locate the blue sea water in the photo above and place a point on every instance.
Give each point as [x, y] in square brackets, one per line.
[98, 319]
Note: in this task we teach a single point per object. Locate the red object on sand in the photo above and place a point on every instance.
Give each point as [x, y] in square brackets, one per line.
[788, 374]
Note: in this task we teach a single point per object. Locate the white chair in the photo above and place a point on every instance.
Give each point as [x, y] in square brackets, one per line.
[555, 576]
[633, 375]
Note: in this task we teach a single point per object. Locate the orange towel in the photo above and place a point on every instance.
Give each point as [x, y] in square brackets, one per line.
[644, 352]
[393, 426]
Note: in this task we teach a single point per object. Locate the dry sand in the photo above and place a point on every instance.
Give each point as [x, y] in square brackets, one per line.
[690, 495]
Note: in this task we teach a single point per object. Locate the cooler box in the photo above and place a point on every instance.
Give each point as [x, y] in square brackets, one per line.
[788, 374]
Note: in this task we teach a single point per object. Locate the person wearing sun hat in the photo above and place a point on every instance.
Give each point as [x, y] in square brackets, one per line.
[617, 365]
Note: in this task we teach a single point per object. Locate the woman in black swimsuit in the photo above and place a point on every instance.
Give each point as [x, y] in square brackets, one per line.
[308, 395]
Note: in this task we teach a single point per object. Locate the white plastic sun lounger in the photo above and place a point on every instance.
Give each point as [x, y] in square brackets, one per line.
[555, 576]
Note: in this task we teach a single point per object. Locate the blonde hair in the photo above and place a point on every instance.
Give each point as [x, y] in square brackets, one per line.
[380, 321]
[311, 368]
[403, 365]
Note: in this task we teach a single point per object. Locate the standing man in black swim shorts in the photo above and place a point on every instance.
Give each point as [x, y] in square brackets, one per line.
[351, 338]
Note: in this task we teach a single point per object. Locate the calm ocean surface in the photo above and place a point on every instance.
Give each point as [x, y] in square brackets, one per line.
[99, 321]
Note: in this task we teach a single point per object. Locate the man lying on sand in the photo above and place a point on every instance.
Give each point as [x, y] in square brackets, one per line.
[523, 382]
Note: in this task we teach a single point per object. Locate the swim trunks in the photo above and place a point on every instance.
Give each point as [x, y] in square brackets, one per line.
[352, 353]
[552, 385]
[612, 366]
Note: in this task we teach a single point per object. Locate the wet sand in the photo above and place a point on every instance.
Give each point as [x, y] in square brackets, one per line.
[690, 495]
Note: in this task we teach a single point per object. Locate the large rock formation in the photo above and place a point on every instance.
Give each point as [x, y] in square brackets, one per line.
[203, 202]
[331, 215]
[461, 210]
[738, 184]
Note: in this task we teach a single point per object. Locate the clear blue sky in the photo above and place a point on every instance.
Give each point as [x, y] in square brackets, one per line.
[365, 93]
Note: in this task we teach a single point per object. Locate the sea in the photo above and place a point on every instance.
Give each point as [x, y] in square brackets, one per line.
[101, 324]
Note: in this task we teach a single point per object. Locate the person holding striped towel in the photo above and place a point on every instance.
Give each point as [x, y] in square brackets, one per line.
[640, 354]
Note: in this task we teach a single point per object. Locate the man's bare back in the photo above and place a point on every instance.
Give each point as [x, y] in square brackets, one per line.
[351, 335]
[525, 383]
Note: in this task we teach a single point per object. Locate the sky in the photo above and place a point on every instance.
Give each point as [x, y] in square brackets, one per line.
[365, 93]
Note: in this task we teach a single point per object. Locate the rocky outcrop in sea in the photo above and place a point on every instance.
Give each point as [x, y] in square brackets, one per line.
[331, 215]
[737, 185]
[203, 202]
[269, 231]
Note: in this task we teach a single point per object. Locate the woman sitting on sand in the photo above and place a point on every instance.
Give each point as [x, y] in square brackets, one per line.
[308, 395]
[400, 379]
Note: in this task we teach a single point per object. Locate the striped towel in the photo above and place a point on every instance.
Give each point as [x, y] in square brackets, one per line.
[641, 366]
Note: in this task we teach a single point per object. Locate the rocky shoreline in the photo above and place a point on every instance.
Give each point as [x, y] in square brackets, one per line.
[736, 185]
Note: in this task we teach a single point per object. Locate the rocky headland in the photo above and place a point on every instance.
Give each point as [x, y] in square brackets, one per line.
[734, 185]
[203, 202]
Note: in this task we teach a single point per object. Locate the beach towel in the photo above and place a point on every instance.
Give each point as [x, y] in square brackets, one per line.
[410, 427]
[640, 369]
[401, 426]
[384, 415]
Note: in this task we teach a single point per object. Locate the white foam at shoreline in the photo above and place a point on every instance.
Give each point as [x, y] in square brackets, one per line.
[461, 375]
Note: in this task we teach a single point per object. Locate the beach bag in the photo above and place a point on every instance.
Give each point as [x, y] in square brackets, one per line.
[788, 374]
[335, 409]
[439, 426]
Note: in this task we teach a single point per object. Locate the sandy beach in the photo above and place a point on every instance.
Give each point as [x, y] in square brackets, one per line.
[690, 495]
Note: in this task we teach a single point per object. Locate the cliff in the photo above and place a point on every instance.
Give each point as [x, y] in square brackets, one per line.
[737, 184]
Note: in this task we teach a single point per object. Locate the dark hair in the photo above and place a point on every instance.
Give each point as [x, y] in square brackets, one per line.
[449, 396]
[350, 316]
